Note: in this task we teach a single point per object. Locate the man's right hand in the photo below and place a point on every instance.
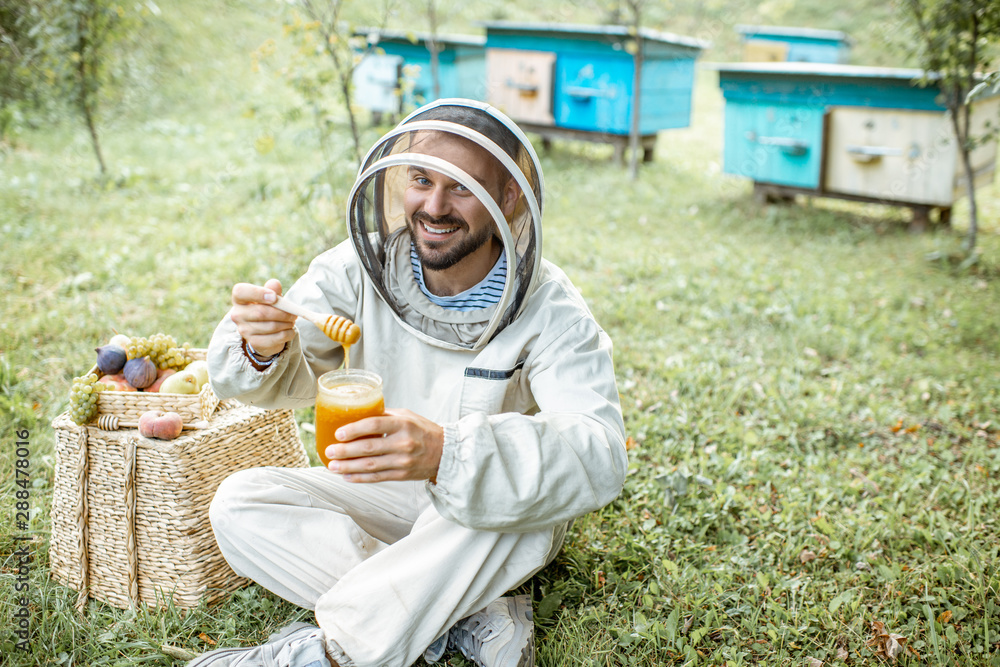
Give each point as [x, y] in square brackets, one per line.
[264, 327]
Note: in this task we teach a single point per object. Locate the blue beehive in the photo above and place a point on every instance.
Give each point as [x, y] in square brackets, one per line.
[806, 45]
[461, 64]
[862, 133]
[578, 80]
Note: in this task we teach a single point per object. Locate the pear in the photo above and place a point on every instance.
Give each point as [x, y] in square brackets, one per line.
[180, 383]
[200, 369]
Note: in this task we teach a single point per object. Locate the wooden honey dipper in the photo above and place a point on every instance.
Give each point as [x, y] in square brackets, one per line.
[337, 328]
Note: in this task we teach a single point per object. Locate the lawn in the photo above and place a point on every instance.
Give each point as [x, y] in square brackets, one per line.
[811, 392]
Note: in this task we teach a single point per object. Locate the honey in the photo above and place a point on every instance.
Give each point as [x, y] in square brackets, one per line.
[344, 397]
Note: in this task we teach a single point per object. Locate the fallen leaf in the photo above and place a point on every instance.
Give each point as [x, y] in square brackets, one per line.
[887, 645]
[841, 654]
[630, 444]
[205, 638]
[805, 556]
[894, 646]
[178, 652]
[813, 662]
[944, 617]
[897, 427]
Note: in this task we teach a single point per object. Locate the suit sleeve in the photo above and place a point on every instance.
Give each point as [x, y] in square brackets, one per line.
[329, 286]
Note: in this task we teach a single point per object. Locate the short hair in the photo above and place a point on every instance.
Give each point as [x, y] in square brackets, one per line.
[478, 120]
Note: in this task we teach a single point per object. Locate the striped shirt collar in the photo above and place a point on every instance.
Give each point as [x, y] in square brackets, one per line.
[481, 295]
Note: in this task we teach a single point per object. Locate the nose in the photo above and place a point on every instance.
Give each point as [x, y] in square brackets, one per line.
[437, 202]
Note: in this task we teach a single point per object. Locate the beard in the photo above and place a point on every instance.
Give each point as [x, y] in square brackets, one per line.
[430, 253]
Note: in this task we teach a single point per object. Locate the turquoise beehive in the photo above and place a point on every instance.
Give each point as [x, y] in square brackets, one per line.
[578, 80]
[870, 134]
[461, 65]
[783, 44]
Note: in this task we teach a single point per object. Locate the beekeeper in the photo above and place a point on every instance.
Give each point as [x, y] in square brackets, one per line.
[502, 420]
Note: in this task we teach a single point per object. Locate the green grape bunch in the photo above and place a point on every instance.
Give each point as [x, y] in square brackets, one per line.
[176, 358]
[162, 350]
[83, 398]
[137, 347]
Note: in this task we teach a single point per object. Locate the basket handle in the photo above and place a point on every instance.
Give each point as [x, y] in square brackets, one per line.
[130, 547]
[82, 517]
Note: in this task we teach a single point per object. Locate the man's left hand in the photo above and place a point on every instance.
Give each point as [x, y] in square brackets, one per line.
[399, 445]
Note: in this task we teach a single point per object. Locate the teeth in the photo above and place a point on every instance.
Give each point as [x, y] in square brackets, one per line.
[440, 231]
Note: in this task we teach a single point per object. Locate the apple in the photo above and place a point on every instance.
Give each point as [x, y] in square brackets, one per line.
[180, 383]
[116, 382]
[200, 368]
[160, 424]
[161, 375]
[121, 340]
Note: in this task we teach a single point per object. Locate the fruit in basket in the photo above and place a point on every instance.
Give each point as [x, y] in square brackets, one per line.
[161, 375]
[200, 369]
[137, 347]
[160, 424]
[116, 382]
[121, 340]
[83, 398]
[182, 382]
[140, 372]
[110, 359]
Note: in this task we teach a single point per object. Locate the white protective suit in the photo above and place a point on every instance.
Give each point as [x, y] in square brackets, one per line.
[525, 391]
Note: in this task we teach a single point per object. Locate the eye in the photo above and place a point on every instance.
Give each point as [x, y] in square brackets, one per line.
[461, 188]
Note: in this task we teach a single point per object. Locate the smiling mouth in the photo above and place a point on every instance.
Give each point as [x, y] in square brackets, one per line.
[437, 231]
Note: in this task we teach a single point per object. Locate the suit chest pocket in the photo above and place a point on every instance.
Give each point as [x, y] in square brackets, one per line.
[493, 390]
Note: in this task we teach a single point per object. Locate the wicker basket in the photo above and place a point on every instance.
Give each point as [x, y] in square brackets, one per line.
[130, 514]
[129, 405]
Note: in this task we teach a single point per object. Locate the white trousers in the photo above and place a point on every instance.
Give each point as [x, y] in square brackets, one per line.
[384, 572]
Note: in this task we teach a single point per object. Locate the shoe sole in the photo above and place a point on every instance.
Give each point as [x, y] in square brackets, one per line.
[523, 617]
[520, 612]
[231, 653]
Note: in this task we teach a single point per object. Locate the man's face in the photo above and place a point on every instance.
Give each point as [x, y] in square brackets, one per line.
[448, 224]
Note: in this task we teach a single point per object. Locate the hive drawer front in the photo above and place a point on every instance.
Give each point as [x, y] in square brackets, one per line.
[520, 83]
[774, 143]
[891, 154]
[593, 93]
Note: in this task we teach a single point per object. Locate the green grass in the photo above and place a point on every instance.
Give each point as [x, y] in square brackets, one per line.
[811, 392]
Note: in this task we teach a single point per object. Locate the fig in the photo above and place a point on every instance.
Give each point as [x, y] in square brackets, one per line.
[110, 359]
[140, 373]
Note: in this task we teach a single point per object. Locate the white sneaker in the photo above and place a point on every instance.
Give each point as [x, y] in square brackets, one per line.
[502, 635]
[298, 645]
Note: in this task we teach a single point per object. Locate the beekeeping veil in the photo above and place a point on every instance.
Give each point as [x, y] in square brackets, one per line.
[378, 229]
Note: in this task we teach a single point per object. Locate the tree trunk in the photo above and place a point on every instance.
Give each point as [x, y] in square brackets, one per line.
[87, 98]
[345, 85]
[970, 185]
[633, 138]
[88, 115]
[435, 49]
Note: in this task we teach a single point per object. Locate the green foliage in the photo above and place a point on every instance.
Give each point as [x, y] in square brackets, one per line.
[84, 61]
[810, 391]
[20, 56]
[956, 41]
